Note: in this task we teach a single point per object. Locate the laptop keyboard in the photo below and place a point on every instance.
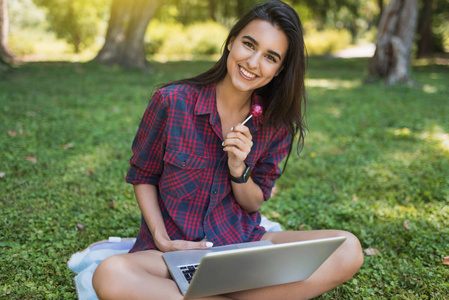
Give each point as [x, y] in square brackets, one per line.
[188, 271]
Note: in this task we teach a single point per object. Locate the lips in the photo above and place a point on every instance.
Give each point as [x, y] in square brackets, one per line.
[246, 74]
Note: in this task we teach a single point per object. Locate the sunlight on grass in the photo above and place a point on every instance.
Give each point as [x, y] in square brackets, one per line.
[437, 135]
[429, 89]
[413, 213]
[335, 111]
[333, 84]
[87, 163]
[434, 135]
[379, 174]
[405, 158]
[401, 132]
[49, 48]
[398, 211]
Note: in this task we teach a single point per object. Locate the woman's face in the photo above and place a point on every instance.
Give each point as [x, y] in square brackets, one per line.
[256, 55]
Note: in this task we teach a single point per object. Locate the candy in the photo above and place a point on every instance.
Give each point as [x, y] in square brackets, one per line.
[256, 111]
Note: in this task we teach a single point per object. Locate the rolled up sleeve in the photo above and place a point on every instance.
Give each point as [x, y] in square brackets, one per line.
[146, 164]
[267, 171]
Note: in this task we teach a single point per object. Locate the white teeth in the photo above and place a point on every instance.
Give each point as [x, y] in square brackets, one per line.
[246, 73]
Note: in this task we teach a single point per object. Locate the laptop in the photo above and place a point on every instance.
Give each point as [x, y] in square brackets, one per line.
[237, 267]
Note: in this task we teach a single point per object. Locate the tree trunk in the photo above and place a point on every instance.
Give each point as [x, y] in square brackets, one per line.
[124, 44]
[212, 8]
[6, 55]
[380, 4]
[3, 64]
[392, 59]
[425, 41]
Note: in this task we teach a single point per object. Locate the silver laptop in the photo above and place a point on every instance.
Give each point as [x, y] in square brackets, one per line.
[232, 268]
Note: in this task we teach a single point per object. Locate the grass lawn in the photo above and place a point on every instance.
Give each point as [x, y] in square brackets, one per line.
[375, 162]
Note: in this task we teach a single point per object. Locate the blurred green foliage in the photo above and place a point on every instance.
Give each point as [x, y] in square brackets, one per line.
[440, 24]
[76, 21]
[326, 41]
[195, 39]
[83, 24]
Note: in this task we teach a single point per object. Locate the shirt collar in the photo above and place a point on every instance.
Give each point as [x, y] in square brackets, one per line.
[206, 102]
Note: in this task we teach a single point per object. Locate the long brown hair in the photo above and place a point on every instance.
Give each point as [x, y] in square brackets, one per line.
[284, 98]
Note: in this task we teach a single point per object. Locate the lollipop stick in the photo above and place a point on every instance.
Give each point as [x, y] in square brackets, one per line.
[247, 119]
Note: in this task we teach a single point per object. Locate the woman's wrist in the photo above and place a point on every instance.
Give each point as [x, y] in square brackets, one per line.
[238, 171]
[161, 240]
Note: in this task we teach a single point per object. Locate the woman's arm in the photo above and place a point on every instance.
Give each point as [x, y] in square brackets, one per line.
[238, 145]
[248, 195]
[147, 199]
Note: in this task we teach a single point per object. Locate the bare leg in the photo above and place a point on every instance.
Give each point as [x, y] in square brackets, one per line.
[144, 275]
[337, 269]
[140, 275]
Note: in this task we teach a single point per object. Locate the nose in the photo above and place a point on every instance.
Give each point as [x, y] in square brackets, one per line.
[253, 61]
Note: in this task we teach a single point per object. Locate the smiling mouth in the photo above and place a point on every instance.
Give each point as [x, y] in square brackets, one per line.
[247, 74]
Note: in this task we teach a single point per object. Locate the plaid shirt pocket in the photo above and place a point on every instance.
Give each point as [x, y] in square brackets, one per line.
[182, 174]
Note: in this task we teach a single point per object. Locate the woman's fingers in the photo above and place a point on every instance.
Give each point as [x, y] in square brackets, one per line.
[238, 145]
[177, 245]
[239, 138]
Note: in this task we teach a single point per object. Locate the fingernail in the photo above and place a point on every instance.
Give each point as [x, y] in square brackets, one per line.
[232, 128]
[209, 244]
[222, 144]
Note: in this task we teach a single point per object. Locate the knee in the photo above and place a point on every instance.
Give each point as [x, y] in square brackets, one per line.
[107, 279]
[350, 255]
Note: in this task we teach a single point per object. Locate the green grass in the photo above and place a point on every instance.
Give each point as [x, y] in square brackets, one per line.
[375, 163]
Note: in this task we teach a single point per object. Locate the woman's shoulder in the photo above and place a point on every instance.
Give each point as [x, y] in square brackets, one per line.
[178, 90]
[183, 96]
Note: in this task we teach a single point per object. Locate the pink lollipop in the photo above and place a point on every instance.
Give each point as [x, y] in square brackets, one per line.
[256, 111]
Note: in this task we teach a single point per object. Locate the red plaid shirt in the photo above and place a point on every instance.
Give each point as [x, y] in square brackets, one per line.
[178, 149]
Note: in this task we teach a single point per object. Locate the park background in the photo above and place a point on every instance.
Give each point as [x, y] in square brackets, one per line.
[375, 161]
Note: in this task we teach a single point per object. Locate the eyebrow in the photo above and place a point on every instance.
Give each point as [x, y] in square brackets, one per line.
[257, 44]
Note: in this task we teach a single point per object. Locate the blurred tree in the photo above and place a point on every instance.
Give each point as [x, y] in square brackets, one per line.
[424, 31]
[75, 21]
[6, 56]
[188, 12]
[354, 15]
[124, 44]
[380, 4]
[392, 59]
[433, 15]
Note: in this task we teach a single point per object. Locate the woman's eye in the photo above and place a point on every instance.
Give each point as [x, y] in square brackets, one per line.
[248, 44]
[269, 57]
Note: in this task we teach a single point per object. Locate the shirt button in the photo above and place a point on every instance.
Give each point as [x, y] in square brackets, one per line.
[214, 192]
[183, 164]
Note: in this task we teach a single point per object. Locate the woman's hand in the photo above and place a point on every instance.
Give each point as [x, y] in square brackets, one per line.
[238, 144]
[146, 195]
[167, 245]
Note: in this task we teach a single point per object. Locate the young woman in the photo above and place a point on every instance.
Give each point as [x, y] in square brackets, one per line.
[200, 176]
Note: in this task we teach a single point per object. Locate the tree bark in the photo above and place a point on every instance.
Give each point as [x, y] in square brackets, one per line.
[124, 43]
[425, 39]
[6, 56]
[392, 58]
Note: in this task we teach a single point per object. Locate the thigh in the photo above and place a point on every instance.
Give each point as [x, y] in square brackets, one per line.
[132, 265]
[138, 275]
[338, 268]
[149, 261]
[279, 237]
